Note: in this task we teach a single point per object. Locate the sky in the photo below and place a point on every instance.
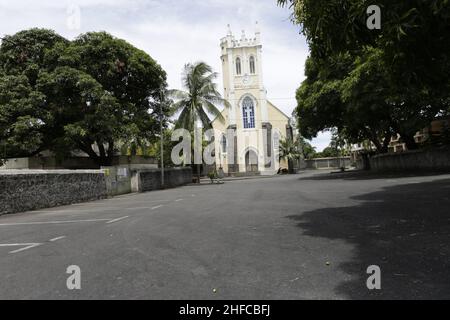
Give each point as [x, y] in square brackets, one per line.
[176, 32]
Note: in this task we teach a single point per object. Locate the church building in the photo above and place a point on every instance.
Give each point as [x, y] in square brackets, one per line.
[248, 143]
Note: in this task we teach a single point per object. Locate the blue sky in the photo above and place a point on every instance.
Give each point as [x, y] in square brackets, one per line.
[175, 32]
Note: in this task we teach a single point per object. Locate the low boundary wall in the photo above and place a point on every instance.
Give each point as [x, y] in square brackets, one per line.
[328, 163]
[32, 190]
[433, 159]
[149, 180]
[26, 190]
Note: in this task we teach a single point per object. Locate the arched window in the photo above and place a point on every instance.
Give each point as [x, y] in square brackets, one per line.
[276, 140]
[248, 109]
[238, 66]
[252, 65]
[224, 144]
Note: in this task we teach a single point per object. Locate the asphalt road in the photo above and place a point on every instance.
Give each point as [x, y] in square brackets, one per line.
[308, 236]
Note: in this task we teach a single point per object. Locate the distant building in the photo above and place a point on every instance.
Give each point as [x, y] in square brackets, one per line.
[258, 124]
[434, 130]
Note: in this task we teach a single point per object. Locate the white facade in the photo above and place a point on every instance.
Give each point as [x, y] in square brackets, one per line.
[251, 116]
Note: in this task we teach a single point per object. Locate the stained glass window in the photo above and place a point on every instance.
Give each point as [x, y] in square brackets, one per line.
[248, 110]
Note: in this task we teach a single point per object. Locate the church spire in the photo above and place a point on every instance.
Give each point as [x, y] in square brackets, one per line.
[243, 37]
[229, 33]
[257, 32]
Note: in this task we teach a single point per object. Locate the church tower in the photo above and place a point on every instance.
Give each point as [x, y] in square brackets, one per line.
[252, 118]
[243, 76]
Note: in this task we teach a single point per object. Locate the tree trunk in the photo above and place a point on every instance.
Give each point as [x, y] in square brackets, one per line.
[409, 141]
[291, 166]
[366, 161]
[386, 142]
[102, 161]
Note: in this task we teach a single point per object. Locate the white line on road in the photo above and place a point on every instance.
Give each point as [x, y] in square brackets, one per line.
[25, 245]
[157, 207]
[51, 222]
[178, 200]
[56, 239]
[118, 219]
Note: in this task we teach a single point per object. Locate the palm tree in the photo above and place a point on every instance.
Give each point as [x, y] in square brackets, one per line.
[200, 99]
[289, 150]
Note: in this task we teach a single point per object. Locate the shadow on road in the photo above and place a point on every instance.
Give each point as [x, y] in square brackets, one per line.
[404, 229]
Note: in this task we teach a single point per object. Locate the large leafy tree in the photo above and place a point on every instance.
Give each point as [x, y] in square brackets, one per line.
[89, 117]
[133, 82]
[399, 79]
[22, 117]
[90, 94]
[26, 124]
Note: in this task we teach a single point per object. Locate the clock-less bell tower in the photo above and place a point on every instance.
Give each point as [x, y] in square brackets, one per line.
[243, 77]
[257, 125]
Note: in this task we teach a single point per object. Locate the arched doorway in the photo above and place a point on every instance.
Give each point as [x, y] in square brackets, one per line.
[251, 161]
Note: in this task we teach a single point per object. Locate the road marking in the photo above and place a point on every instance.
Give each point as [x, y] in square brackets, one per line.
[56, 239]
[118, 219]
[81, 210]
[179, 200]
[149, 201]
[25, 245]
[157, 207]
[51, 222]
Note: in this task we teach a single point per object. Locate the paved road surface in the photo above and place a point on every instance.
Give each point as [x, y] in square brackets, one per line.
[308, 236]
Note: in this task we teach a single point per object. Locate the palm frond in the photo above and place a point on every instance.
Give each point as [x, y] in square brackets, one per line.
[201, 97]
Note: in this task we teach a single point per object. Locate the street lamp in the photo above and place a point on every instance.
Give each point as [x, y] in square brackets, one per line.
[161, 118]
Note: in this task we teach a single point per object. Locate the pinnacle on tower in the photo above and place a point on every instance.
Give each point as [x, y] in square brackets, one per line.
[243, 37]
[230, 33]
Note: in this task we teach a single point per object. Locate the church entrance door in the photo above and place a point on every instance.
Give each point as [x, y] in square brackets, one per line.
[251, 161]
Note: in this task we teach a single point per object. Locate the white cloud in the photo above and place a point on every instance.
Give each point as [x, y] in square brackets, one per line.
[175, 32]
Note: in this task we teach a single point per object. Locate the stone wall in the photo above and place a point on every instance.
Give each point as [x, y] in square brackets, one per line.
[433, 159]
[328, 163]
[149, 180]
[24, 190]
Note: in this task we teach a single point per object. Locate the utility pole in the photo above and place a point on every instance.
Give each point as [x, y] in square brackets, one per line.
[162, 134]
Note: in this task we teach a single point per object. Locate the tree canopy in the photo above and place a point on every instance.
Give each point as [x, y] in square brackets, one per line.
[89, 94]
[373, 84]
[201, 98]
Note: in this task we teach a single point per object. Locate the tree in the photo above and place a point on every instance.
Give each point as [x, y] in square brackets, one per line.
[133, 81]
[26, 124]
[306, 149]
[323, 103]
[91, 94]
[155, 149]
[398, 81]
[22, 117]
[200, 98]
[328, 152]
[88, 117]
[289, 150]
